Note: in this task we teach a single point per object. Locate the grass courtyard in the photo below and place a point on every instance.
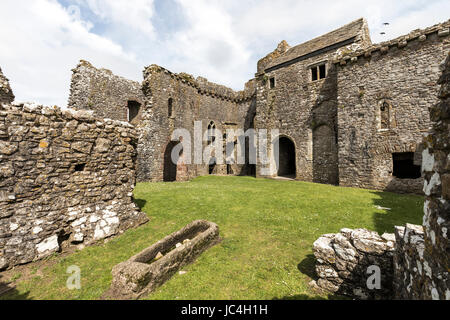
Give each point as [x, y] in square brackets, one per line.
[267, 226]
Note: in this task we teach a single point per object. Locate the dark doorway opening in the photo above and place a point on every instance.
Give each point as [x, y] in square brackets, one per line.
[212, 165]
[404, 167]
[133, 110]
[229, 169]
[286, 163]
[170, 167]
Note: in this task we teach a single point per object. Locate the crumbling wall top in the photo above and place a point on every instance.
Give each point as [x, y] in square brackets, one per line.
[205, 87]
[6, 94]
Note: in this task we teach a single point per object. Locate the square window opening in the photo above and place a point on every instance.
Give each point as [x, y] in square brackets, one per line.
[404, 167]
[80, 167]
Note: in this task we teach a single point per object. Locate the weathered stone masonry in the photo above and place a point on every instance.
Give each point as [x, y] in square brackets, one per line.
[65, 178]
[415, 263]
[325, 96]
[190, 100]
[422, 269]
[343, 260]
[110, 96]
[384, 93]
[6, 94]
[303, 109]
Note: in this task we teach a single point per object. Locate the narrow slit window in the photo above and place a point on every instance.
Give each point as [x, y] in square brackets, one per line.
[170, 107]
[272, 83]
[384, 115]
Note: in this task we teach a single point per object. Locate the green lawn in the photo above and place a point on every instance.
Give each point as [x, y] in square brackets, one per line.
[268, 228]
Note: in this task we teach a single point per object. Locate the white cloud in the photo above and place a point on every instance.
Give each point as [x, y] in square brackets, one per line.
[209, 46]
[132, 14]
[220, 40]
[41, 42]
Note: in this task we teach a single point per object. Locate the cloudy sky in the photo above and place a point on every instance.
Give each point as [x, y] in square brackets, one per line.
[42, 40]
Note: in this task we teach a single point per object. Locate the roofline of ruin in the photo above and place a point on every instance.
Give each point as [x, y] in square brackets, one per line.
[441, 29]
[187, 79]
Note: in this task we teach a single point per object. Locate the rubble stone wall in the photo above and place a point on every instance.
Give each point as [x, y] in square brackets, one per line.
[424, 273]
[410, 267]
[416, 263]
[384, 94]
[302, 109]
[105, 93]
[191, 100]
[65, 178]
[6, 94]
[345, 259]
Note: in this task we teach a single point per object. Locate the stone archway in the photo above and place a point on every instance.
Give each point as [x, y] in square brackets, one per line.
[286, 166]
[170, 167]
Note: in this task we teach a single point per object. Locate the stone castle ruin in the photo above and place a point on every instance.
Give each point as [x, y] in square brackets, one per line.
[349, 113]
[414, 262]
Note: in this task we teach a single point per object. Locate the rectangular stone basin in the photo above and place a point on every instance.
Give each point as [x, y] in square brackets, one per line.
[152, 267]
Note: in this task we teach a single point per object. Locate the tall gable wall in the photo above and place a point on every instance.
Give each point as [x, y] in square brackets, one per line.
[304, 110]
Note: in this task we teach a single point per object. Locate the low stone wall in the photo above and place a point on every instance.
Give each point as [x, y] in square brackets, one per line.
[345, 261]
[6, 94]
[65, 178]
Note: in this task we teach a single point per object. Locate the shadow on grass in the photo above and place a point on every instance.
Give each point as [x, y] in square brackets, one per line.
[399, 209]
[307, 266]
[140, 203]
[9, 292]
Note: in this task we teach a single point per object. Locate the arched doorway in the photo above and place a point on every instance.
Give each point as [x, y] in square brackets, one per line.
[170, 167]
[286, 162]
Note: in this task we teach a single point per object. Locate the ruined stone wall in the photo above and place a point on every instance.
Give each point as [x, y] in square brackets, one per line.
[303, 108]
[410, 267]
[418, 268]
[344, 260]
[192, 100]
[384, 94]
[105, 93]
[304, 111]
[422, 271]
[6, 94]
[65, 178]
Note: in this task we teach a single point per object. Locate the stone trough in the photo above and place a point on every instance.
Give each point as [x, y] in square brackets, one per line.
[152, 267]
